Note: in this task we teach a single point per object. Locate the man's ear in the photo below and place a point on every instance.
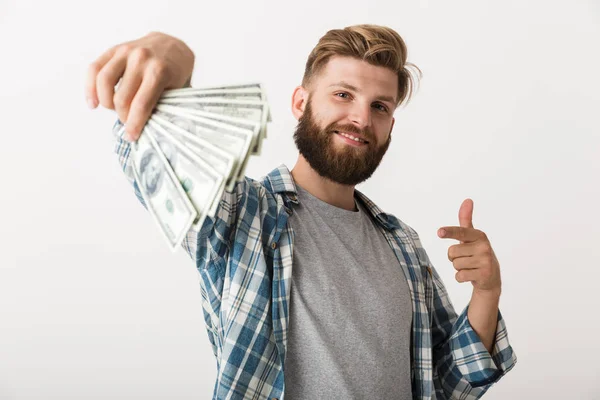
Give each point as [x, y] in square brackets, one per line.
[299, 99]
[392, 127]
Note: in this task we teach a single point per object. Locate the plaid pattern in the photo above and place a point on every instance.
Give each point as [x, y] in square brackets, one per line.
[244, 258]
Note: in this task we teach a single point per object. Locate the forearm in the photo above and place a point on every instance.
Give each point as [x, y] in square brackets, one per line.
[483, 316]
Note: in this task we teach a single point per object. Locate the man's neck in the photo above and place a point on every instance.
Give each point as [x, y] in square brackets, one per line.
[333, 193]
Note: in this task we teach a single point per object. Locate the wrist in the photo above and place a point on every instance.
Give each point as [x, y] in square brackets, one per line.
[490, 293]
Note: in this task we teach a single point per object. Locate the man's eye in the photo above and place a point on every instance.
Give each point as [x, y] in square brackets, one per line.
[341, 94]
[381, 107]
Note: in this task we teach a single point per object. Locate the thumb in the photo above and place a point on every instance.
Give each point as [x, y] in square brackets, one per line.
[465, 214]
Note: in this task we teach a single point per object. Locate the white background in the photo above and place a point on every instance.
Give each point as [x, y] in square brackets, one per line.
[93, 305]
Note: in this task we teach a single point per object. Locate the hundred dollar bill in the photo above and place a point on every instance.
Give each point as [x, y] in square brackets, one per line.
[200, 181]
[239, 122]
[182, 130]
[254, 87]
[222, 95]
[242, 109]
[233, 94]
[219, 160]
[232, 139]
[166, 201]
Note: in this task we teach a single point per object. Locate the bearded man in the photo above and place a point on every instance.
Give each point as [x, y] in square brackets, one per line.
[328, 297]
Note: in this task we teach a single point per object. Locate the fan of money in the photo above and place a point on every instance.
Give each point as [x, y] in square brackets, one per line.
[195, 145]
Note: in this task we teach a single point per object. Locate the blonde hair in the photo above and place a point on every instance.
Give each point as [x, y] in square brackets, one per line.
[375, 44]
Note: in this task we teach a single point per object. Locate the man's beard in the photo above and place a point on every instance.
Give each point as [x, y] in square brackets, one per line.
[347, 165]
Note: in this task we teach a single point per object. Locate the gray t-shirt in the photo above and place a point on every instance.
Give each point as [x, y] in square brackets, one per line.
[350, 308]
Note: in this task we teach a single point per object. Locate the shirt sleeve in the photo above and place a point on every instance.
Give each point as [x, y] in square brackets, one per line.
[461, 361]
[462, 366]
[204, 244]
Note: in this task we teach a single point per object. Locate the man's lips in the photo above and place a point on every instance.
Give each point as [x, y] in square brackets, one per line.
[356, 135]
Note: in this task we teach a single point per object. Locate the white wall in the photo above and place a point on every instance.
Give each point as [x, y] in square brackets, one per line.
[93, 305]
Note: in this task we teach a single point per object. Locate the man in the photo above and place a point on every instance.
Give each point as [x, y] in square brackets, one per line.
[364, 315]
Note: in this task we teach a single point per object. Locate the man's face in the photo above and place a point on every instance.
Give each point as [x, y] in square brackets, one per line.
[348, 96]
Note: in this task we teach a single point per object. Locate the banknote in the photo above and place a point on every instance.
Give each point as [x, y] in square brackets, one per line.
[220, 161]
[201, 183]
[195, 146]
[233, 94]
[243, 109]
[231, 139]
[228, 91]
[163, 195]
[243, 123]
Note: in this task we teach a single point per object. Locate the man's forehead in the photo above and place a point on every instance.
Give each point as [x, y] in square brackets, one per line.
[359, 76]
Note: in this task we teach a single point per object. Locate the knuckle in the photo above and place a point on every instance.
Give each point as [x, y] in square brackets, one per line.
[139, 55]
[103, 78]
[124, 49]
[158, 70]
[94, 68]
[142, 106]
[120, 101]
[451, 253]
[455, 264]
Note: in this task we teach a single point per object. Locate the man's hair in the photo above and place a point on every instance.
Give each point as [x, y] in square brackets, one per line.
[375, 44]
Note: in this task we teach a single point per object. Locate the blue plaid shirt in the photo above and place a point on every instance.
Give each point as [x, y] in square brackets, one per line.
[244, 257]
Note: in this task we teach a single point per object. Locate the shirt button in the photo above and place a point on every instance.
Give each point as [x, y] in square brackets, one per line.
[273, 245]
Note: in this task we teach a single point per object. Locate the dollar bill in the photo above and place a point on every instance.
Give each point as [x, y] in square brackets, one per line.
[253, 126]
[220, 95]
[164, 197]
[222, 163]
[231, 139]
[179, 128]
[234, 94]
[195, 145]
[243, 109]
[254, 87]
[201, 183]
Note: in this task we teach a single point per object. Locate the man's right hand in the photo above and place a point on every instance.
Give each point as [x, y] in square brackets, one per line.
[146, 67]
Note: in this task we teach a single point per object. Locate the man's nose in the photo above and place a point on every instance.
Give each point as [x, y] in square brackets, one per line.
[360, 115]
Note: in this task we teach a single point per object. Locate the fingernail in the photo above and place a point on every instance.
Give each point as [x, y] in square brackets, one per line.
[442, 232]
[91, 103]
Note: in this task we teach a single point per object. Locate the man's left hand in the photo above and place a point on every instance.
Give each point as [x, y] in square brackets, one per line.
[473, 258]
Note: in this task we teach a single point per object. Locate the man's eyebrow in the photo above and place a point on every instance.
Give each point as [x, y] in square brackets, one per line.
[355, 89]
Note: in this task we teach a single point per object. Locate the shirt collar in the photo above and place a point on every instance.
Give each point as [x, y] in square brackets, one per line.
[281, 181]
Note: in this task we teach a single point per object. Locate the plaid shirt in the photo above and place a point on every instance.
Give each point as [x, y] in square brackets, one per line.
[244, 256]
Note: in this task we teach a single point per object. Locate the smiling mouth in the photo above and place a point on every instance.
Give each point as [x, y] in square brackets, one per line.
[349, 136]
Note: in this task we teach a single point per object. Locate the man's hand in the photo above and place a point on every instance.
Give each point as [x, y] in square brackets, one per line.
[145, 67]
[474, 258]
